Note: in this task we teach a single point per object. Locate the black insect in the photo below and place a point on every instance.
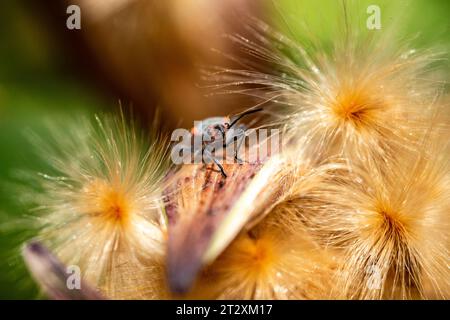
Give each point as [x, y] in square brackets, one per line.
[217, 133]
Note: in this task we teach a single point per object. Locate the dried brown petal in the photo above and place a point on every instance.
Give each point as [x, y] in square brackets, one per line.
[207, 211]
[51, 274]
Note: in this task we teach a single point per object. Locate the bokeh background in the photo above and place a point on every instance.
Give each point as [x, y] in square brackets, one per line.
[143, 55]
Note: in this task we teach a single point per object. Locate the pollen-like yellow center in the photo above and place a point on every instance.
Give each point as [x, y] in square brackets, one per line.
[108, 202]
[252, 257]
[354, 107]
[391, 222]
[114, 206]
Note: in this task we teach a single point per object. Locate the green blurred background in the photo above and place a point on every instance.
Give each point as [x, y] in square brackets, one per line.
[49, 72]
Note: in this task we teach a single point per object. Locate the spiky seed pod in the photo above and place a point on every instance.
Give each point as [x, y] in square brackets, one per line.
[208, 211]
[100, 210]
[392, 227]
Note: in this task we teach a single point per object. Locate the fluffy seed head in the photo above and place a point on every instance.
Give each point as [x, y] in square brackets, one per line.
[100, 209]
[352, 100]
[269, 262]
[391, 226]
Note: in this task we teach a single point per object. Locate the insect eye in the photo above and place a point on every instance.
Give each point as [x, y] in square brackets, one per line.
[226, 125]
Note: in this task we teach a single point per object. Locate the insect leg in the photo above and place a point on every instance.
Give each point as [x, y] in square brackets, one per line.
[239, 144]
[240, 137]
[208, 155]
[220, 167]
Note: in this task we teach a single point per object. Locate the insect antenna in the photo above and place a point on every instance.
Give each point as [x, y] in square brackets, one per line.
[243, 115]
